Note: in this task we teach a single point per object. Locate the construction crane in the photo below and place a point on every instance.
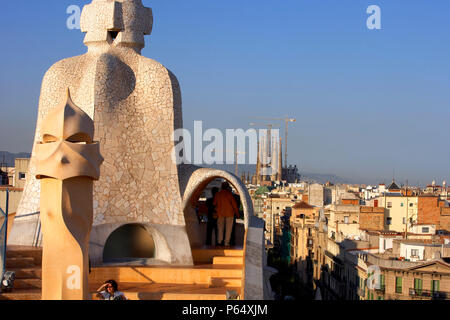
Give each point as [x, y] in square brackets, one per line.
[286, 121]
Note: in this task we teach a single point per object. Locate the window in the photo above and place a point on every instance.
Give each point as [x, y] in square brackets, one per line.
[22, 175]
[388, 221]
[425, 230]
[404, 220]
[382, 281]
[411, 204]
[401, 204]
[398, 285]
[346, 220]
[434, 285]
[389, 204]
[414, 252]
[418, 286]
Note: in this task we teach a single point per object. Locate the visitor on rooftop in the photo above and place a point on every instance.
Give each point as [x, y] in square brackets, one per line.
[211, 225]
[110, 291]
[226, 210]
[233, 231]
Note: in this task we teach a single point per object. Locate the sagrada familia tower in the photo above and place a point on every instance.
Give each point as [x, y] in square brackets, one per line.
[135, 104]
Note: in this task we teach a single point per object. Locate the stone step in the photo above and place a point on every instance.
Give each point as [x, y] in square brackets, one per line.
[228, 260]
[20, 284]
[25, 252]
[200, 282]
[22, 262]
[29, 289]
[206, 255]
[30, 295]
[225, 282]
[137, 291]
[28, 273]
[22, 294]
[200, 274]
[193, 296]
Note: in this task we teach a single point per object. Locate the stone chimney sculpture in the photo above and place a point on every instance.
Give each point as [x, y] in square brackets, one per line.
[67, 163]
[135, 103]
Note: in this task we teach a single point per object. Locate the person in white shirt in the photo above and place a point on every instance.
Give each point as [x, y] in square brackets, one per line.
[110, 291]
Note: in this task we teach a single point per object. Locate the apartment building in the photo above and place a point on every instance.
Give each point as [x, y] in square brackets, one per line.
[401, 211]
[302, 227]
[273, 207]
[433, 210]
[343, 220]
[407, 280]
[381, 265]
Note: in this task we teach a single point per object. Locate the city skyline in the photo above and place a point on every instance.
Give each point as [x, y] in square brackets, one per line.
[366, 101]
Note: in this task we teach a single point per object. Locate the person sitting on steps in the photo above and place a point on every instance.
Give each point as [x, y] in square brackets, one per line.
[110, 291]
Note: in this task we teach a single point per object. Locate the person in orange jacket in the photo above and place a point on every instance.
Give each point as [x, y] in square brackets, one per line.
[226, 211]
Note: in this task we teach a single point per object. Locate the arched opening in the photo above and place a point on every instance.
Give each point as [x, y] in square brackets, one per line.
[129, 242]
[202, 231]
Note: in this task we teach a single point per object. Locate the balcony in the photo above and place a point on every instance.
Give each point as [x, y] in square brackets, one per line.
[381, 289]
[437, 295]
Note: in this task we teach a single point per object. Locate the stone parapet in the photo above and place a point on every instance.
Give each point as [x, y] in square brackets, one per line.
[255, 286]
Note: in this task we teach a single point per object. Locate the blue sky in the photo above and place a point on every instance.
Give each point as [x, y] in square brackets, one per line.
[366, 101]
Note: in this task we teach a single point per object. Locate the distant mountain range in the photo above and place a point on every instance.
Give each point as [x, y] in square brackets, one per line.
[7, 158]
[323, 178]
[305, 176]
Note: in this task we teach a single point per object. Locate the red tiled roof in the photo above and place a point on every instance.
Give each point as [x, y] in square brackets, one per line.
[302, 205]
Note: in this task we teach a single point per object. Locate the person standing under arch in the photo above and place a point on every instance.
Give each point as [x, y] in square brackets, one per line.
[233, 231]
[211, 224]
[226, 211]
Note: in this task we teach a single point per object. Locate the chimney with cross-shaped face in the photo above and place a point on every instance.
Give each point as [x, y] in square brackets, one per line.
[120, 23]
[68, 161]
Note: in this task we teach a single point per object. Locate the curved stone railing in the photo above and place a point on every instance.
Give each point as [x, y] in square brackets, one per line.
[255, 284]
